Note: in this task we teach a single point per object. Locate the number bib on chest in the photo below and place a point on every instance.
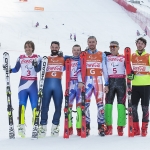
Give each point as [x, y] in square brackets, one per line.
[94, 64]
[116, 67]
[55, 67]
[140, 64]
[27, 70]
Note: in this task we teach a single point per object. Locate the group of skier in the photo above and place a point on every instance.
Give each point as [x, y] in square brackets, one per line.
[108, 65]
[37, 24]
[74, 37]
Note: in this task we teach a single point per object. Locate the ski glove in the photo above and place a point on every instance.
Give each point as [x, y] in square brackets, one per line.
[60, 53]
[131, 76]
[34, 63]
[4, 68]
[107, 53]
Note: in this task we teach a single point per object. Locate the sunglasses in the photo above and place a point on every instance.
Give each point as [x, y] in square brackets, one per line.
[113, 46]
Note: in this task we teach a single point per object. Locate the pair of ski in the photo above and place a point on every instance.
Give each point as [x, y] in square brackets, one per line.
[66, 109]
[6, 63]
[127, 54]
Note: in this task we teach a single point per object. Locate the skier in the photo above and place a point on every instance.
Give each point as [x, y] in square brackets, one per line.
[96, 66]
[37, 24]
[138, 33]
[46, 27]
[74, 92]
[70, 36]
[117, 85]
[52, 88]
[28, 83]
[74, 37]
[145, 31]
[140, 86]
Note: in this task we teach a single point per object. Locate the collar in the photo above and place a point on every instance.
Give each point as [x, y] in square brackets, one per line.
[91, 52]
[143, 53]
[28, 56]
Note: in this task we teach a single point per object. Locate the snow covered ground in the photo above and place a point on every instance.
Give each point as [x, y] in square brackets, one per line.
[104, 19]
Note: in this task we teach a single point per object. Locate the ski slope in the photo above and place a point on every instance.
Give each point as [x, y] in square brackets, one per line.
[104, 19]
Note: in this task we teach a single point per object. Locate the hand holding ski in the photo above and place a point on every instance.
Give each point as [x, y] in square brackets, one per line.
[6, 63]
[127, 53]
[40, 95]
[66, 109]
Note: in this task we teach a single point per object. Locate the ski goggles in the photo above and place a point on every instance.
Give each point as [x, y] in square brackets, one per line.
[113, 46]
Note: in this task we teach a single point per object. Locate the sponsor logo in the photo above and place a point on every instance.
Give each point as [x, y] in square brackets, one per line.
[54, 68]
[6, 67]
[93, 65]
[92, 57]
[139, 68]
[43, 71]
[138, 60]
[26, 61]
[29, 67]
[121, 59]
[53, 59]
[114, 64]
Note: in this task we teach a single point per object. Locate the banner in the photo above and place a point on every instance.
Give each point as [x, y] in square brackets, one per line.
[39, 8]
[126, 5]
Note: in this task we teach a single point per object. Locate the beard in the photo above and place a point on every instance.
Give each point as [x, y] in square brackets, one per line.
[92, 47]
[54, 52]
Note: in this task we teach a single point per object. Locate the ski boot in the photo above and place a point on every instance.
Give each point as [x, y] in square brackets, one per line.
[101, 129]
[79, 120]
[144, 129]
[78, 132]
[109, 130]
[120, 130]
[70, 121]
[70, 130]
[21, 130]
[55, 130]
[21, 118]
[87, 129]
[42, 131]
[136, 128]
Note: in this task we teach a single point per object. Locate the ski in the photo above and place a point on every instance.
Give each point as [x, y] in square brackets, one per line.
[66, 109]
[83, 74]
[40, 95]
[127, 53]
[6, 64]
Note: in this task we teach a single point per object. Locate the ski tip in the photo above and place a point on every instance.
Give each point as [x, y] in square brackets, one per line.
[5, 53]
[67, 60]
[82, 54]
[127, 48]
[45, 57]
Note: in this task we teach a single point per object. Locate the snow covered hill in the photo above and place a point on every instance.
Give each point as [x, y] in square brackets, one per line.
[104, 19]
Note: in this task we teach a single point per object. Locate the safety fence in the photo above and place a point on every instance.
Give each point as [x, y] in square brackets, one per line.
[140, 17]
